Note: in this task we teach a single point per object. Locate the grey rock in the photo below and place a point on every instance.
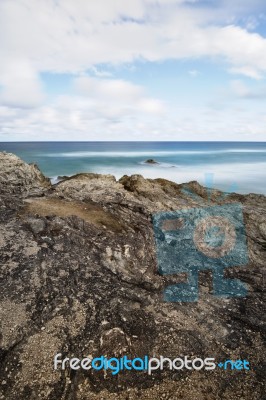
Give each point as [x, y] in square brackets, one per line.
[18, 177]
[262, 229]
[36, 225]
[151, 161]
[78, 276]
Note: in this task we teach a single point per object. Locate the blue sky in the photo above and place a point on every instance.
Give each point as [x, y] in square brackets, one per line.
[136, 70]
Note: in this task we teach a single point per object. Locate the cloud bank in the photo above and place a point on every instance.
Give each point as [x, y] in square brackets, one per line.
[76, 38]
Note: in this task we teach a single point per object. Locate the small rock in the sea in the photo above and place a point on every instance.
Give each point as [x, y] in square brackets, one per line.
[151, 161]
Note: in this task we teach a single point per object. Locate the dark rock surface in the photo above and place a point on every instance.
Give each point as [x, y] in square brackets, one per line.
[78, 275]
[151, 161]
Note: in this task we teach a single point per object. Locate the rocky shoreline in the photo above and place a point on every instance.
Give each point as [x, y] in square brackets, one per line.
[79, 276]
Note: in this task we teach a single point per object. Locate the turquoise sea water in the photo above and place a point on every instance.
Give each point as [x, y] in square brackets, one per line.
[240, 167]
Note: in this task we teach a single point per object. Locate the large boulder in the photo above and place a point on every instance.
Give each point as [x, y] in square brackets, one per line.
[18, 177]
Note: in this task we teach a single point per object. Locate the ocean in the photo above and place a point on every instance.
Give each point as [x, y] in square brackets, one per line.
[229, 166]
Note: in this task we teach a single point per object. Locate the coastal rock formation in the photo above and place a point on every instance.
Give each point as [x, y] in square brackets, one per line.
[20, 178]
[79, 276]
[151, 161]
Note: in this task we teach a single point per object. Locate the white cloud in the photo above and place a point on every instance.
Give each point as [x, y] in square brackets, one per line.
[100, 73]
[99, 108]
[21, 86]
[82, 118]
[152, 106]
[245, 51]
[77, 36]
[241, 90]
[111, 89]
[251, 23]
[72, 36]
[194, 73]
[117, 96]
[247, 71]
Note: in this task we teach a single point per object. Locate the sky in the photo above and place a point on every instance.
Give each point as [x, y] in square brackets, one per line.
[132, 70]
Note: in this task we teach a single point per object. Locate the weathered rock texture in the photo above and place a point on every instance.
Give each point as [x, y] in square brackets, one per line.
[78, 275]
